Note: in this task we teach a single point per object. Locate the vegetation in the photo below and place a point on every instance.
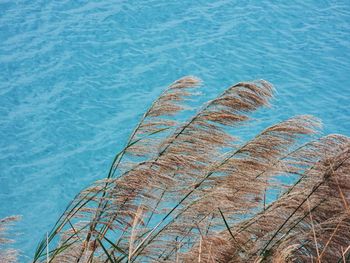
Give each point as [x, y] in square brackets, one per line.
[192, 191]
[7, 255]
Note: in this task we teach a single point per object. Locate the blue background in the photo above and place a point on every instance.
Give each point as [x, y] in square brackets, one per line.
[76, 76]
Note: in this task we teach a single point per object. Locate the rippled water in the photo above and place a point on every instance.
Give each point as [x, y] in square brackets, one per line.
[75, 77]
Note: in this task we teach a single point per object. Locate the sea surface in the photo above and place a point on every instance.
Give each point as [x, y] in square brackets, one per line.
[76, 76]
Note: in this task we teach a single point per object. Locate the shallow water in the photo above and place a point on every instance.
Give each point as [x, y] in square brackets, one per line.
[76, 76]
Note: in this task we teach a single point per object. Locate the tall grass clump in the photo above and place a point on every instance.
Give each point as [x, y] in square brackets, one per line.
[193, 191]
[7, 254]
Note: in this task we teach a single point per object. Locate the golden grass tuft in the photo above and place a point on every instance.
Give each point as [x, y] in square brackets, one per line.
[7, 254]
[194, 191]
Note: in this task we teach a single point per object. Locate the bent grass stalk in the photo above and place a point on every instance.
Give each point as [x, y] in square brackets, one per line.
[209, 184]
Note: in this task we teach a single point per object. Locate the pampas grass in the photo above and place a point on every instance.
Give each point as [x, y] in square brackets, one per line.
[193, 191]
[7, 254]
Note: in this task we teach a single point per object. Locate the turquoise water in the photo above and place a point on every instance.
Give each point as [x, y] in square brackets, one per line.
[76, 76]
